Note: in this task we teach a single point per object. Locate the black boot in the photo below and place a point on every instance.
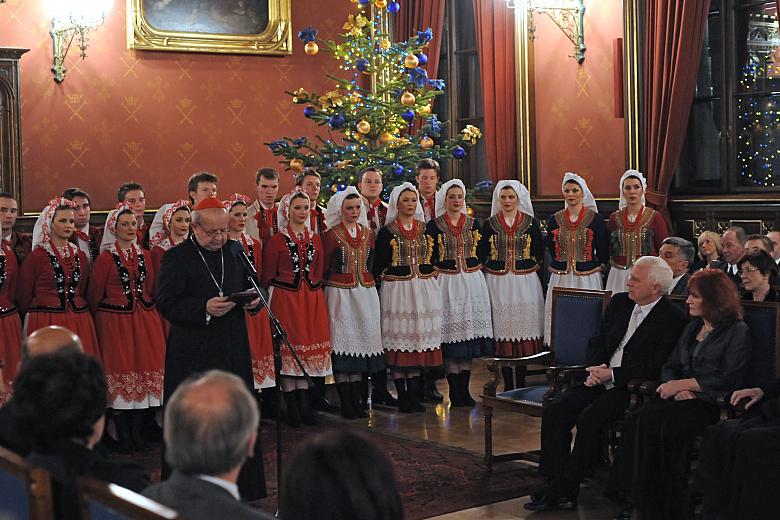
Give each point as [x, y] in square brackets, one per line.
[293, 414]
[308, 416]
[347, 407]
[454, 381]
[123, 432]
[509, 379]
[379, 393]
[357, 398]
[318, 398]
[269, 403]
[136, 420]
[414, 385]
[465, 394]
[429, 392]
[403, 396]
[520, 376]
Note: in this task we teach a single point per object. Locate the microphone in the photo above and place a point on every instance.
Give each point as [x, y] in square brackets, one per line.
[237, 250]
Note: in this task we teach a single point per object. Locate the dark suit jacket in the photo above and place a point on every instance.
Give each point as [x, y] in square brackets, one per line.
[681, 289]
[10, 437]
[723, 266]
[649, 346]
[197, 499]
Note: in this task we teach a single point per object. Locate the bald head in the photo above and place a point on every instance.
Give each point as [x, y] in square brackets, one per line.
[49, 340]
[210, 227]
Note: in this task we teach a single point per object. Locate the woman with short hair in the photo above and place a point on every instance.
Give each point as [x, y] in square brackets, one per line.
[758, 272]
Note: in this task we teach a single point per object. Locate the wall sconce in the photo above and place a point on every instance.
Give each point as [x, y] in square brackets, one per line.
[566, 14]
[69, 20]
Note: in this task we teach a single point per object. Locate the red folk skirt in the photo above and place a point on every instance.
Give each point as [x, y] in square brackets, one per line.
[262, 346]
[133, 356]
[10, 350]
[304, 316]
[79, 322]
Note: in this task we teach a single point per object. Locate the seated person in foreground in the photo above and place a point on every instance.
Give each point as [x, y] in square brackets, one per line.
[639, 330]
[340, 475]
[210, 428]
[651, 464]
[759, 274]
[739, 460]
[678, 253]
[43, 341]
[59, 403]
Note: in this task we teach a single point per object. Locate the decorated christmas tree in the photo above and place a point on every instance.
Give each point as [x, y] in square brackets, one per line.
[379, 114]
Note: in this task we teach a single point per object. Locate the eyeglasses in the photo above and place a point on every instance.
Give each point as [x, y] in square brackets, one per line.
[214, 233]
[750, 269]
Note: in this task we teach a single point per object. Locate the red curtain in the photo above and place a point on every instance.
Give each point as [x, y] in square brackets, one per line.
[674, 34]
[496, 45]
[418, 15]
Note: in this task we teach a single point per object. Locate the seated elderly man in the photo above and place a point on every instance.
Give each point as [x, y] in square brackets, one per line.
[678, 253]
[210, 429]
[639, 330]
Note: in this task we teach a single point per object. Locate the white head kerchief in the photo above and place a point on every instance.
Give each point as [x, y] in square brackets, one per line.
[523, 197]
[283, 212]
[160, 230]
[631, 173]
[392, 208]
[333, 211]
[42, 228]
[109, 230]
[587, 200]
[441, 196]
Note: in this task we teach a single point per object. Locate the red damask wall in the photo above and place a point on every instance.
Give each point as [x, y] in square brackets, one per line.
[576, 128]
[155, 117]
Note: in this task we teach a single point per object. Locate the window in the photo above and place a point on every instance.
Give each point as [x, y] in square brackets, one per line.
[733, 140]
[461, 103]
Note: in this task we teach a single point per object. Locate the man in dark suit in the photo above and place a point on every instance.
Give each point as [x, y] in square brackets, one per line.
[733, 244]
[210, 429]
[639, 330]
[208, 330]
[678, 253]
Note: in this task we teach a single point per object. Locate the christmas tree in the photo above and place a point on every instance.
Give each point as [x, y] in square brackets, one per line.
[379, 114]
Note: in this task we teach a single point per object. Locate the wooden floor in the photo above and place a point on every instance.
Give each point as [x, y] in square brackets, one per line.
[464, 428]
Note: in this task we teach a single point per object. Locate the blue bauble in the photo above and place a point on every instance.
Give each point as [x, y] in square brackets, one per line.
[362, 64]
[341, 187]
[336, 121]
[458, 152]
[408, 115]
[393, 7]
[422, 59]
[364, 2]
[309, 111]
[397, 170]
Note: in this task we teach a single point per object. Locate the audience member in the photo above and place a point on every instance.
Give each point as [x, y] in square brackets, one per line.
[202, 185]
[638, 332]
[733, 242]
[650, 467]
[754, 243]
[710, 250]
[86, 237]
[774, 236]
[20, 243]
[759, 274]
[59, 403]
[211, 424]
[678, 253]
[340, 475]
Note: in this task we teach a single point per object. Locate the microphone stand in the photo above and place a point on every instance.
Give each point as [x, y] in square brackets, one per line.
[280, 338]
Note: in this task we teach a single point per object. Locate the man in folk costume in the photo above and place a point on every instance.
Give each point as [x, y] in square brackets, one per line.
[261, 215]
[19, 243]
[208, 331]
[133, 194]
[309, 182]
[370, 187]
[86, 237]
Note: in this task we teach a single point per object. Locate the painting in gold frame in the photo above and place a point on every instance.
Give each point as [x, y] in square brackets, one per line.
[227, 26]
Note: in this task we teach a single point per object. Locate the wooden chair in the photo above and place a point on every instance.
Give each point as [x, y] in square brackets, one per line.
[576, 317]
[25, 491]
[102, 501]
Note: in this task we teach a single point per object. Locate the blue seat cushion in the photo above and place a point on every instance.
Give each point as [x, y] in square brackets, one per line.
[528, 394]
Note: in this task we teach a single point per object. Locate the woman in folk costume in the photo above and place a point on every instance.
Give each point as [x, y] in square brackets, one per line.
[293, 266]
[171, 226]
[10, 324]
[466, 324]
[353, 302]
[634, 230]
[120, 295]
[258, 327]
[578, 243]
[53, 279]
[511, 250]
[410, 296]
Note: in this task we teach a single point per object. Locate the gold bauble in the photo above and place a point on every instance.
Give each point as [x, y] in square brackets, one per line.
[407, 99]
[469, 211]
[354, 98]
[296, 165]
[411, 61]
[385, 44]
[385, 138]
[424, 110]
[363, 127]
[426, 142]
[381, 3]
[311, 48]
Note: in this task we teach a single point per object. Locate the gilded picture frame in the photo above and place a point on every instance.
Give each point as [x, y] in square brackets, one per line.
[248, 27]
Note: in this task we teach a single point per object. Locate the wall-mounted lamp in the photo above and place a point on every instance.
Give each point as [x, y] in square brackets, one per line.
[69, 20]
[566, 14]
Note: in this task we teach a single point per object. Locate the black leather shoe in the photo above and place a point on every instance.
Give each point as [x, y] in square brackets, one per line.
[552, 504]
[538, 497]
[625, 514]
